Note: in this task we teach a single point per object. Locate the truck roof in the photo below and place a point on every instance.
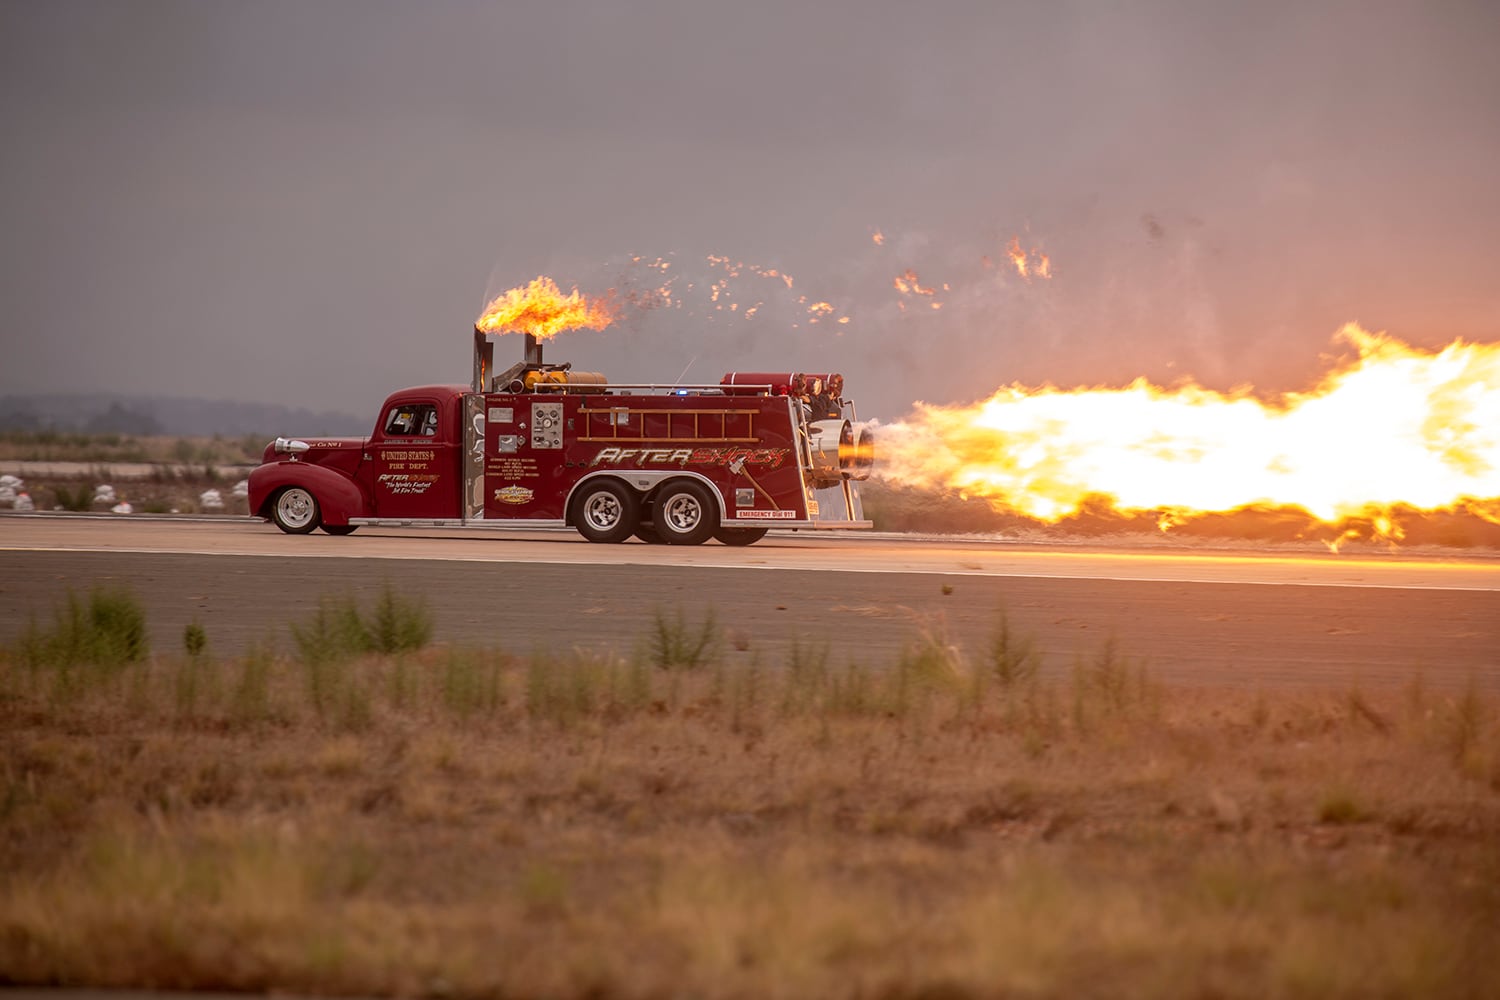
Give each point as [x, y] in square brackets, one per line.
[442, 391]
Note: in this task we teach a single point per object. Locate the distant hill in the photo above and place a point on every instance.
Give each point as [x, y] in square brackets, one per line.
[106, 413]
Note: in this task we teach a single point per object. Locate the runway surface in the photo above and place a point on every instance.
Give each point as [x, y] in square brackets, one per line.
[1266, 619]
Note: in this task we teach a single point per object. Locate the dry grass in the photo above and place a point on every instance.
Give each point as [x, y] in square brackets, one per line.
[79, 446]
[166, 490]
[458, 822]
[170, 474]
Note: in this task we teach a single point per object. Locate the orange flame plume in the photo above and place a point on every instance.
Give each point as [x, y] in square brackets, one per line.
[907, 283]
[542, 310]
[1397, 428]
[1017, 256]
[1037, 263]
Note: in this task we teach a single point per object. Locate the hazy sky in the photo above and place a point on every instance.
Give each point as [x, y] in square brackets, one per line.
[308, 202]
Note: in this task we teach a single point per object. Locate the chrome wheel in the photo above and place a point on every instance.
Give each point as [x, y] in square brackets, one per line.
[295, 511]
[603, 511]
[684, 514]
[606, 512]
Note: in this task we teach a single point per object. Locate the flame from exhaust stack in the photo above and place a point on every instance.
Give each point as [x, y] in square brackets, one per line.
[1396, 428]
[541, 309]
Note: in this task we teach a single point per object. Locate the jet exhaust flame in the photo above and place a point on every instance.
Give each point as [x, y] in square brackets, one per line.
[1397, 428]
[542, 310]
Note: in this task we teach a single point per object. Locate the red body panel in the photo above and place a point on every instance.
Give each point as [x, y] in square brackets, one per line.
[530, 472]
[415, 474]
[339, 497]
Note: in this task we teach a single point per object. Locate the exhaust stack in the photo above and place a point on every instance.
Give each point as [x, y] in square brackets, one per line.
[529, 373]
[484, 360]
[485, 378]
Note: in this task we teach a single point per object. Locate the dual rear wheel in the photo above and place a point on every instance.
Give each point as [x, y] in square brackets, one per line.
[606, 510]
[683, 512]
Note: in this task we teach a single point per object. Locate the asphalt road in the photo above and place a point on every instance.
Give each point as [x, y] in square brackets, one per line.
[1250, 618]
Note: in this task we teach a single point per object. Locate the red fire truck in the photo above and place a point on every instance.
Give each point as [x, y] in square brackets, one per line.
[543, 445]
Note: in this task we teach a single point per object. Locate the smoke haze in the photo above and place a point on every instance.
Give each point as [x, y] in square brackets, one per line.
[309, 203]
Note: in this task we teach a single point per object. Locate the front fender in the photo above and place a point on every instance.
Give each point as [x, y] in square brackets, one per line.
[339, 497]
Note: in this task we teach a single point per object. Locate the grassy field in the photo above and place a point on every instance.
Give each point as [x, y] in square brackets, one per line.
[362, 813]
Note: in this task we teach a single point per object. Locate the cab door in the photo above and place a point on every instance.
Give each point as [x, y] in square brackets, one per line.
[415, 461]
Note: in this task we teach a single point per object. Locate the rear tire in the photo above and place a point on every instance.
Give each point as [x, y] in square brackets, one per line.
[740, 536]
[685, 513]
[645, 529]
[648, 534]
[295, 510]
[606, 511]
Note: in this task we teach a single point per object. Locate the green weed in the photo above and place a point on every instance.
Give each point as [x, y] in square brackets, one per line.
[335, 632]
[77, 499]
[194, 639]
[561, 690]
[676, 644]
[471, 683]
[1109, 676]
[398, 624]
[1464, 725]
[1012, 658]
[195, 674]
[1113, 686]
[931, 660]
[250, 699]
[339, 631]
[585, 684]
[806, 677]
[631, 686]
[106, 630]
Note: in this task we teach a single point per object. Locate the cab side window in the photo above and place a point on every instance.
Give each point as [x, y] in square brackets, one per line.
[411, 421]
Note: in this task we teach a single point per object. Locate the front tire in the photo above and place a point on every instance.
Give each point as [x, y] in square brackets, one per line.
[740, 536]
[685, 514]
[606, 511]
[295, 511]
